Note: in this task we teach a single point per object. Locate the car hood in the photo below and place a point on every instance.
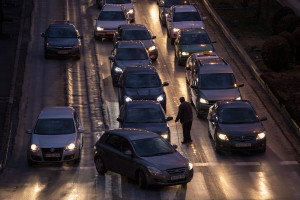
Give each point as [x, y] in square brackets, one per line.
[53, 141]
[62, 41]
[193, 48]
[244, 129]
[143, 93]
[153, 127]
[223, 94]
[188, 24]
[110, 24]
[167, 161]
[125, 63]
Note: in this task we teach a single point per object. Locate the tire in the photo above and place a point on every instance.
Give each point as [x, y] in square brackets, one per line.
[30, 162]
[142, 182]
[99, 164]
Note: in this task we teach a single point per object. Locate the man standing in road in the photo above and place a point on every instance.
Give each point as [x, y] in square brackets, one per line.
[185, 115]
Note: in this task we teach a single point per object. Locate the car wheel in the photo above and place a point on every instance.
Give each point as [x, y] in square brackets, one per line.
[100, 167]
[217, 148]
[142, 180]
[30, 162]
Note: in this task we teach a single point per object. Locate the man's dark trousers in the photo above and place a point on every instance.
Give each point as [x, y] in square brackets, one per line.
[186, 127]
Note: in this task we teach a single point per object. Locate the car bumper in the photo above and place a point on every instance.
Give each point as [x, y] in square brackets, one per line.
[58, 156]
[104, 34]
[167, 179]
[72, 52]
[242, 145]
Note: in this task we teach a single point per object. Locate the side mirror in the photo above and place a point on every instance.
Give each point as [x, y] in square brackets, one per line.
[119, 119]
[165, 84]
[43, 35]
[174, 146]
[194, 86]
[80, 37]
[128, 152]
[241, 85]
[188, 68]
[169, 118]
[112, 58]
[213, 119]
[29, 131]
[203, 18]
[153, 37]
[263, 119]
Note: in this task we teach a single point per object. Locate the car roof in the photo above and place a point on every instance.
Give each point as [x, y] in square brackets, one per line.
[132, 133]
[235, 104]
[56, 112]
[133, 27]
[142, 104]
[113, 7]
[193, 30]
[185, 8]
[140, 70]
[130, 44]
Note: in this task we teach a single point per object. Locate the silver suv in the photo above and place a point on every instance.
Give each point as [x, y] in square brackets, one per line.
[56, 136]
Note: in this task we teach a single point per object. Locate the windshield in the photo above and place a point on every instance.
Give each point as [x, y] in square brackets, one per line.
[62, 32]
[169, 3]
[198, 38]
[237, 115]
[54, 126]
[118, 1]
[145, 115]
[131, 54]
[217, 81]
[111, 16]
[152, 147]
[186, 16]
[136, 35]
[142, 81]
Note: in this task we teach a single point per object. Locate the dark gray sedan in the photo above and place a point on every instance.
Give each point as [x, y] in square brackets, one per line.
[143, 156]
[235, 125]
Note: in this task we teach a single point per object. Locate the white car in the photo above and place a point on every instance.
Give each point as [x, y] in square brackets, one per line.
[128, 5]
[183, 17]
[110, 18]
[56, 136]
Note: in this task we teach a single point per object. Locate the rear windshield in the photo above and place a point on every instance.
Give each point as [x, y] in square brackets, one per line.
[54, 126]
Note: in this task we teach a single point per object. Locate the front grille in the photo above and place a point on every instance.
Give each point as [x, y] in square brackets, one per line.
[175, 171]
[63, 48]
[47, 152]
[241, 138]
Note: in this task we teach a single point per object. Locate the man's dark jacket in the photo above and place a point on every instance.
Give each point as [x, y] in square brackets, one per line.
[185, 113]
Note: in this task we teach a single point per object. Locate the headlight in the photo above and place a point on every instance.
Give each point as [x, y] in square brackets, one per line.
[260, 136]
[185, 53]
[165, 136]
[70, 147]
[126, 98]
[190, 166]
[176, 29]
[160, 98]
[34, 147]
[99, 28]
[118, 70]
[204, 101]
[130, 11]
[152, 48]
[222, 136]
[154, 170]
[238, 98]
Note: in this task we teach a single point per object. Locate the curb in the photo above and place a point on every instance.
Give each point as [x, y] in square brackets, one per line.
[235, 43]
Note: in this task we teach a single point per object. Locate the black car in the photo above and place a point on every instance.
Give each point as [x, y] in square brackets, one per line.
[141, 83]
[137, 32]
[62, 39]
[235, 125]
[143, 156]
[127, 53]
[147, 115]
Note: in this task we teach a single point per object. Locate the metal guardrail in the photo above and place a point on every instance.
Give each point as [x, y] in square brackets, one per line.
[235, 43]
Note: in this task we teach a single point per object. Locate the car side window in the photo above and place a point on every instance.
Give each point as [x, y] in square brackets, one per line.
[114, 141]
[125, 146]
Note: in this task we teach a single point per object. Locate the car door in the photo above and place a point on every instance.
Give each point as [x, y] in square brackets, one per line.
[128, 162]
[194, 89]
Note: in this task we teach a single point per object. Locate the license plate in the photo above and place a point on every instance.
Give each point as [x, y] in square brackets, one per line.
[52, 155]
[63, 52]
[174, 178]
[110, 33]
[243, 145]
